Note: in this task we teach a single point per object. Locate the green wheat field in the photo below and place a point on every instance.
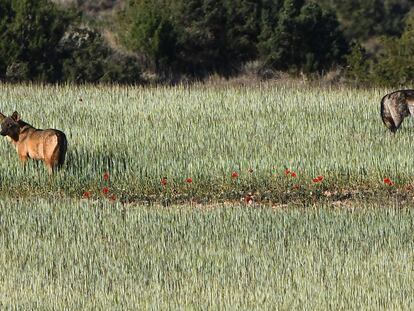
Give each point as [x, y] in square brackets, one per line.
[260, 197]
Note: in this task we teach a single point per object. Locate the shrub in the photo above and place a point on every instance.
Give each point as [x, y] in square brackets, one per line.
[304, 38]
[30, 31]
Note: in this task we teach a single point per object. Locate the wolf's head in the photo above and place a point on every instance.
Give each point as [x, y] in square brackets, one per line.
[10, 126]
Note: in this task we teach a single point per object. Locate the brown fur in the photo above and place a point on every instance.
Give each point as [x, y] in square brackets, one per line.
[31, 143]
[395, 107]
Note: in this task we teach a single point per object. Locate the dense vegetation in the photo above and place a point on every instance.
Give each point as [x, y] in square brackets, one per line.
[39, 42]
[289, 196]
[66, 255]
[367, 19]
[47, 42]
[198, 37]
[141, 135]
[308, 202]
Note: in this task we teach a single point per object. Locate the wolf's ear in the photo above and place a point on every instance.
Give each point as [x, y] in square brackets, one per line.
[15, 116]
[2, 117]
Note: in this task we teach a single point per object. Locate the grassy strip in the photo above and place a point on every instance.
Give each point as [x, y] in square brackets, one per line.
[141, 135]
[99, 255]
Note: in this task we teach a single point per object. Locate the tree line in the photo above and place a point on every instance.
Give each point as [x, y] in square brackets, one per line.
[198, 37]
[41, 43]
[370, 39]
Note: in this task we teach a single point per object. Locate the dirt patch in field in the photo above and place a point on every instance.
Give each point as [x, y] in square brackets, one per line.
[343, 199]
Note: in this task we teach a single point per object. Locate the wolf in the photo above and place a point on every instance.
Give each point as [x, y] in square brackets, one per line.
[395, 107]
[49, 145]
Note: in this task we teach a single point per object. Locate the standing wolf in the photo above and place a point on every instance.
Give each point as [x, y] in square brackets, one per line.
[48, 145]
[395, 107]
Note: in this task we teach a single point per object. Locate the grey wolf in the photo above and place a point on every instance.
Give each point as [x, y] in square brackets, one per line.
[395, 107]
[48, 145]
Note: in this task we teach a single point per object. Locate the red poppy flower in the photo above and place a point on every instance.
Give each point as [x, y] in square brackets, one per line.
[105, 190]
[388, 181]
[106, 176]
[189, 180]
[86, 195]
[234, 175]
[296, 187]
[113, 197]
[318, 179]
[248, 199]
[287, 172]
[164, 181]
[293, 174]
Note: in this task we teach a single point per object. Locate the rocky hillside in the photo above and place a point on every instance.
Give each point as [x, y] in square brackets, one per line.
[97, 8]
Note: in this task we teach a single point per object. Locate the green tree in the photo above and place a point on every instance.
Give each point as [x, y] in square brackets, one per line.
[202, 37]
[363, 19]
[88, 58]
[194, 37]
[359, 65]
[395, 63]
[83, 53]
[269, 16]
[149, 32]
[243, 28]
[285, 40]
[305, 38]
[6, 15]
[198, 37]
[321, 43]
[30, 32]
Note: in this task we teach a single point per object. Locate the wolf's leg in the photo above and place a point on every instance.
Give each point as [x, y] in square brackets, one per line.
[23, 161]
[23, 158]
[410, 105]
[388, 114]
[397, 123]
[49, 166]
[397, 114]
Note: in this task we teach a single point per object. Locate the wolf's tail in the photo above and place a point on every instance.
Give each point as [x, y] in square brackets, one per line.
[61, 148]
[386, 114]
